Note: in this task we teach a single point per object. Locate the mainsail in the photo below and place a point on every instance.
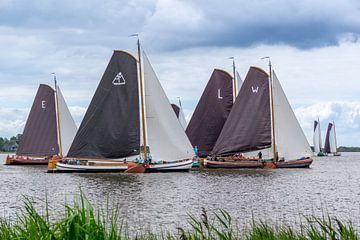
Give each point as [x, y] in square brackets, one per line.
[40, 133]
[248, 127]
[165, 136]
[66, 124]
[291, 142]
[111, 125]
[317, 137]
[179, 114]
[330, 140]
[211, 112]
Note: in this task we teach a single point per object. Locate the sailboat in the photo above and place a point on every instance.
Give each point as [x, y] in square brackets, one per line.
[129, 123]
[317, 139]
[330, 141]
[179, 114]
[49, 129]
[261, 130]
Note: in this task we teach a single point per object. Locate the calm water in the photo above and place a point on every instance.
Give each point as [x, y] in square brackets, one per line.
[332, 185]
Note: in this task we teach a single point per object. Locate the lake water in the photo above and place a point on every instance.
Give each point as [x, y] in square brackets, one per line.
[332, 184]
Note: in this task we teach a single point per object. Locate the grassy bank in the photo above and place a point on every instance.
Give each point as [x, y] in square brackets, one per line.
[82, 221]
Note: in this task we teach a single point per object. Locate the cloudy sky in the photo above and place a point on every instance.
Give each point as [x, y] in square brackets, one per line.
[314, 46]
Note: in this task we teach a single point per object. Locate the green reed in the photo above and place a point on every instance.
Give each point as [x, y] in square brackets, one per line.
[81, 221]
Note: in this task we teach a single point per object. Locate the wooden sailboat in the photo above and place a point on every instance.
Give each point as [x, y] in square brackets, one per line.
[211, 112]
[49, 129]
[330, 141]
[317, 139]
[262, 127]
[129, 123]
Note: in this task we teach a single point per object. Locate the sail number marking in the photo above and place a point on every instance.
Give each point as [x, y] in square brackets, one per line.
[119, 80]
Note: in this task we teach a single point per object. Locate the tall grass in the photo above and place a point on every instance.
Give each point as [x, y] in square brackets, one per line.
[81, 221]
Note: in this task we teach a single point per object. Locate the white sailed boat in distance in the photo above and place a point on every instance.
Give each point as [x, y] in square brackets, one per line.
[330, 147]
[49, 129]
[317, 139]
[179, 114]
[129, 124]
[263, 127]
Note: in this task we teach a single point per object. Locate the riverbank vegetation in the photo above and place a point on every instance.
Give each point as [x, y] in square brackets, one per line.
[82, 221]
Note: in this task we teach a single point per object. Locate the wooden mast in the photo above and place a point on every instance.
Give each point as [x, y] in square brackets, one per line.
[142, 102]
[58, 116]
[272, 111]
[234, 78]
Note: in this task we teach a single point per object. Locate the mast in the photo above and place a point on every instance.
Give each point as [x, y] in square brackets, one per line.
[272, 109]
[234, 78]
[319, 135]
[58, 116]
[142, 103]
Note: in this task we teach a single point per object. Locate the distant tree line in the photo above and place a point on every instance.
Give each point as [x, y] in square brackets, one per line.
[348, 149]
[6, 143]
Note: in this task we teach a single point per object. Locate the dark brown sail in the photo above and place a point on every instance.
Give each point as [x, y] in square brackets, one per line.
[111, 126]
[248, 126]
[40, 134]
[176, 109]
[327, 139]
[211, 112]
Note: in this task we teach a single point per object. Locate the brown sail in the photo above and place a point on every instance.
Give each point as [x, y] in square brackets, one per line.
[248, 126]
[40, 133]
[211, 112]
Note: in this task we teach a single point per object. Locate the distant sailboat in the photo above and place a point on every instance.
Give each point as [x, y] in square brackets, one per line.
[49, 129]
[330, 141]
[261, 120]
[317, 139]
[211, 112]
[129, 121]
[179, 114]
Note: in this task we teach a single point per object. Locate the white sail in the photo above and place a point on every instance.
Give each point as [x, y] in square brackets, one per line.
[166, 137]
[182, 119]
[317, 138]
[291, 142]
[67, 125]
[332, 140]
[239, 82]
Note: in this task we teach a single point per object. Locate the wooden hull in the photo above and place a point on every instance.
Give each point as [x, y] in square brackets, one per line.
[234, 164]
[21, 160]
[303, 163]
[113, 166]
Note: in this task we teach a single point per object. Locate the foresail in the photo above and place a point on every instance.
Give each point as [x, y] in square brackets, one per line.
[111, 125]
[239, 82]
[67, 124]
[40, 133]
[333, 147]
[166, 138]
[211, 112]
[291, 142]
[248, 127]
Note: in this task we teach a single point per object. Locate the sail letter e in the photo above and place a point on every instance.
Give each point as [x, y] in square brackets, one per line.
[119, 79]
[43, 102]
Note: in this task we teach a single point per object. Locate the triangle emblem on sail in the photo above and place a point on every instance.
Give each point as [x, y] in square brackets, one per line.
[119, 80]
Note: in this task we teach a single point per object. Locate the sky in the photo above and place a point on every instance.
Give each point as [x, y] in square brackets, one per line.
[314, 46]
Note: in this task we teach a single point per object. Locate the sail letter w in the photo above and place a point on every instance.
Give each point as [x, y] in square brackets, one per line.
[254, 90]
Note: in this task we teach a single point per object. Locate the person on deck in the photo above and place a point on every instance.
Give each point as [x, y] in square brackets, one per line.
[260, 155]
[196, 151]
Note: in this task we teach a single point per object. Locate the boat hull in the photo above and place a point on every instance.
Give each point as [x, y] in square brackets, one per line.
[20, 160]
[108, 166]
[234, 164]
[179, 166]
[301, 163]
